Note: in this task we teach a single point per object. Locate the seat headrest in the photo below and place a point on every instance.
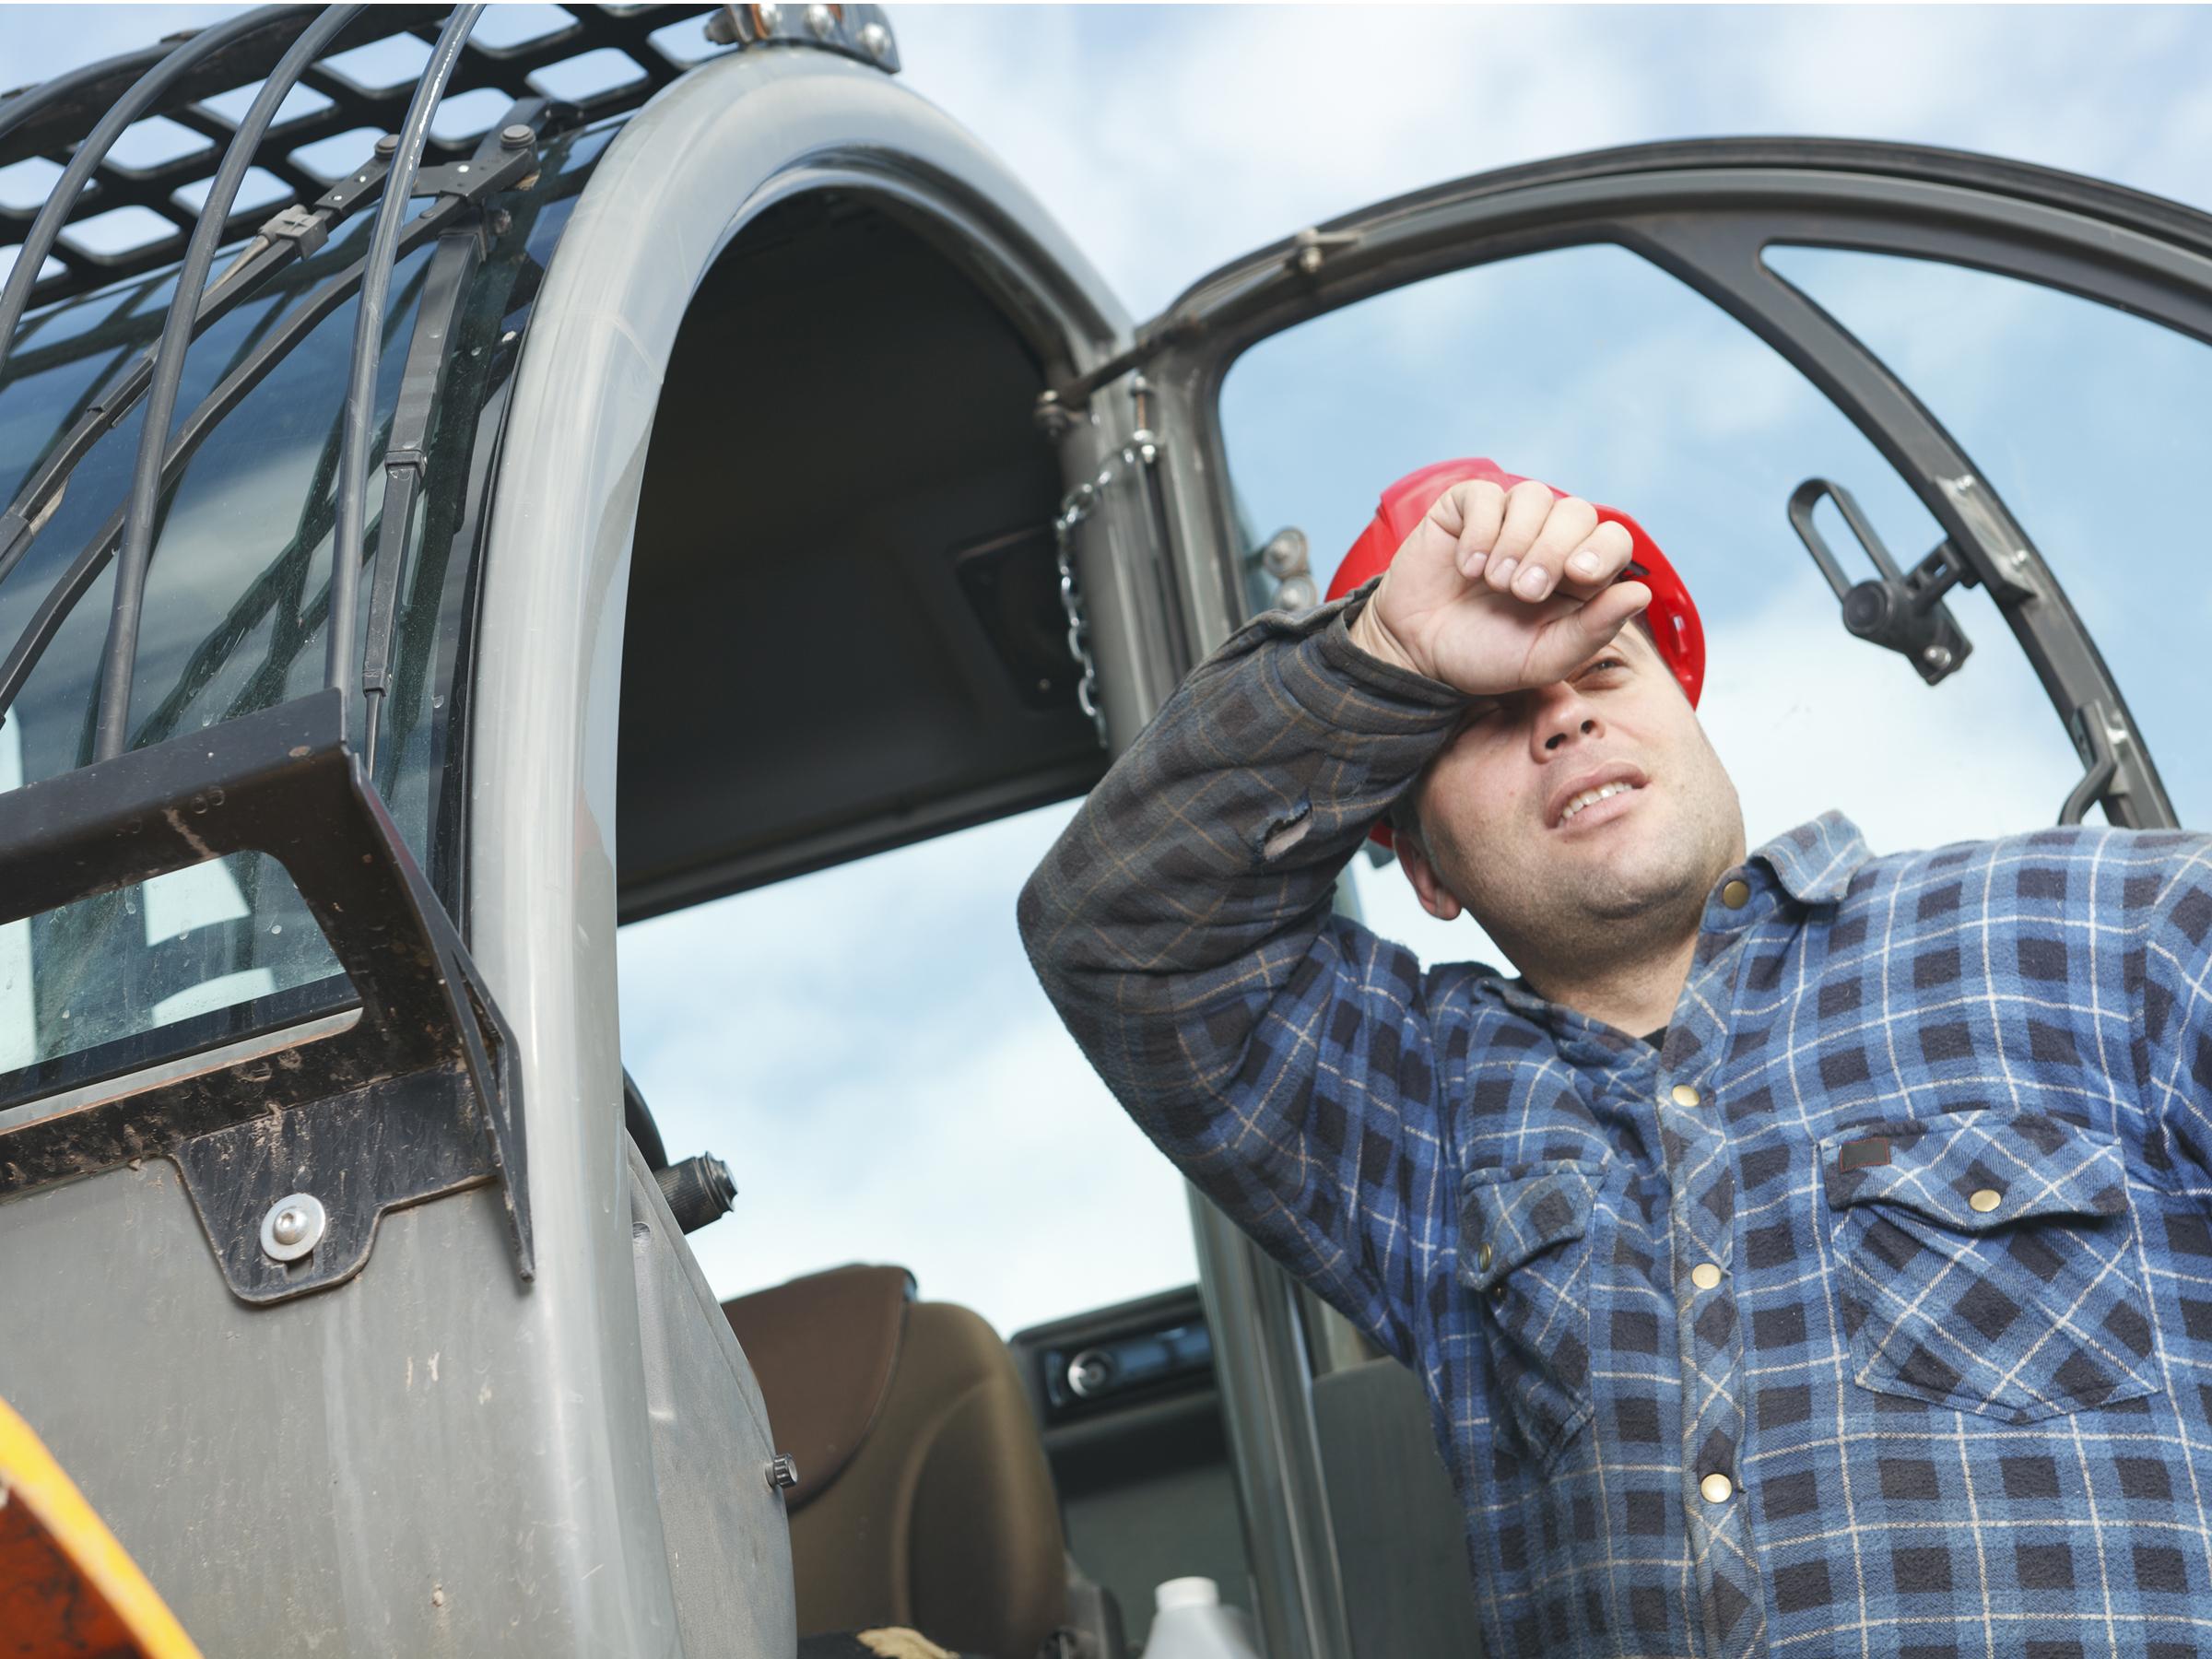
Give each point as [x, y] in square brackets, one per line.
[823, 1349]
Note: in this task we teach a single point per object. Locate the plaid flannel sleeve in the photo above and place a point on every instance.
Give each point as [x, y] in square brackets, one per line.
[1183, 925]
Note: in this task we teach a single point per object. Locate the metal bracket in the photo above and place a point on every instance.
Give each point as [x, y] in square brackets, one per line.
[1903, 613]
[413, 1097]
[854, 31]
[1310, 249]
[2101, 741]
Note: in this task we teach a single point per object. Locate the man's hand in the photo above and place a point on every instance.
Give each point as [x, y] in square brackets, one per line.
[1496, 591]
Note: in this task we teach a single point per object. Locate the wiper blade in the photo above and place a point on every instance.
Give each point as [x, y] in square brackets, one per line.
[368, 324]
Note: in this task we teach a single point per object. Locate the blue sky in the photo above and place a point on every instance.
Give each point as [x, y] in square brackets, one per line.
[866, 1047]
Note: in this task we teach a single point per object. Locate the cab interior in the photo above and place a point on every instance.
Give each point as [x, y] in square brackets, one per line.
[844, 634]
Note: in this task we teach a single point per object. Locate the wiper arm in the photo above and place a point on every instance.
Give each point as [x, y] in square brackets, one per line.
[367, 323]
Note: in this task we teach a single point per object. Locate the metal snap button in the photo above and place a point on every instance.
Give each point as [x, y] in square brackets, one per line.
[1736, 894]
[1705, 1276]
[1483, 1257]
[1986, 1199]
[1683, 1094]
[1717, 1489]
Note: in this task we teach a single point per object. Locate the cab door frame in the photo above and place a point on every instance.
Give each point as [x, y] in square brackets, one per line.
[1703, 211]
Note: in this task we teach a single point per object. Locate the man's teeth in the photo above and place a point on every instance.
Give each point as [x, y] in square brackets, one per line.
[1589, 796]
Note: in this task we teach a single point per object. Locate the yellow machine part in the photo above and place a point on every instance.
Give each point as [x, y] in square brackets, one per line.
[66, 1586]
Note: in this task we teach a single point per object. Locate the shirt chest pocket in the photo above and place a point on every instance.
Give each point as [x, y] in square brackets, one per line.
[1523, 1249]
[1986, 1262]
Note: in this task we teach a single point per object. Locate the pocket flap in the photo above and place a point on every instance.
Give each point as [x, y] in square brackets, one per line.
[1509, 1215]
[1978, 1169]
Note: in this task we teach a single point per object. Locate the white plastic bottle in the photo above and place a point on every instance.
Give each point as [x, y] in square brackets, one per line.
[1192, 1624]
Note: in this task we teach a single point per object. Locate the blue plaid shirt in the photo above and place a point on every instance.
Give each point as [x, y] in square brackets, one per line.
[1872, 1314]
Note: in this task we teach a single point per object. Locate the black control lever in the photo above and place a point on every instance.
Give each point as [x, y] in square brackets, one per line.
[1903, 612]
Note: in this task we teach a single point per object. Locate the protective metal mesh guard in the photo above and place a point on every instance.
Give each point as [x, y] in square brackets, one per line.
[55, 132]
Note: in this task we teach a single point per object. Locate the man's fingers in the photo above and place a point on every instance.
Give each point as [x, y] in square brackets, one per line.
[1527, 505]
[1565, 528]
[1481, 507]
[1588, 626]
[1599, 561]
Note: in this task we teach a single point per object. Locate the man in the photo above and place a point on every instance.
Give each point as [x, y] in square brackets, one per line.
[1865, 1307]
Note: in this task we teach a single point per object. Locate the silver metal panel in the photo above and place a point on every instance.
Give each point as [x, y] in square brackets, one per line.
[382, 1468]
[676, 185]
[730, 1554]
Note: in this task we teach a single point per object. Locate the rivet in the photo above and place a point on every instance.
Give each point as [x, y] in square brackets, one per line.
[1705, 1276]
[1717, 1489]
[1985, 1200]
[1736, 894]
[1683, 1094]
[820, 21]
[517, 136]
[1937, 657]
[876, 38]
[388, 144]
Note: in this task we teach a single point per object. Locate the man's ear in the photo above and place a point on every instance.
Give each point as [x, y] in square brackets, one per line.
[1437, 899]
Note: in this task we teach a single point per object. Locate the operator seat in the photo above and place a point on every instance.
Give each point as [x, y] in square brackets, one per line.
[923, 1497]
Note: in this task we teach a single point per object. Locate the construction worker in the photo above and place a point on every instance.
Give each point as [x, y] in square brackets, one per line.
[1806, 1252]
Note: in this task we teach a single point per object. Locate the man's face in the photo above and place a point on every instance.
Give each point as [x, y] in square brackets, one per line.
[1512, 833]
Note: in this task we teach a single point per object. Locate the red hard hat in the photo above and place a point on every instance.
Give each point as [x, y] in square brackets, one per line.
[1673, 618]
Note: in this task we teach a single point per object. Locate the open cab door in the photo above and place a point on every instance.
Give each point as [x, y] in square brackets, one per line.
[1787, 358]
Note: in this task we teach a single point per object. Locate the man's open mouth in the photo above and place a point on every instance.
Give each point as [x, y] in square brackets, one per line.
[1578, 797]
[1590, 797]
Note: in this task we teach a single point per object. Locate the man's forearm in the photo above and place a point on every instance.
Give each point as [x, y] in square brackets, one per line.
[1191, 884]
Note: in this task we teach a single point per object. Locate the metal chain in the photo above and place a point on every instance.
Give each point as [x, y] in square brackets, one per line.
[1078, 504]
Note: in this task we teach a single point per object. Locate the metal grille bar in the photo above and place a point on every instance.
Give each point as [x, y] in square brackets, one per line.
[51, 119]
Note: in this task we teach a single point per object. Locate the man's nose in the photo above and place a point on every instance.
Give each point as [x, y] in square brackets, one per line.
[1564, 716]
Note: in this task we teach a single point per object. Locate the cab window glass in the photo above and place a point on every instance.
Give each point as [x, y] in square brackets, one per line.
[869, 1050]
[2090, 424]
[1589, 368]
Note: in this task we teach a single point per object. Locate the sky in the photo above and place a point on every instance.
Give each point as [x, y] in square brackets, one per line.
[866, 1047]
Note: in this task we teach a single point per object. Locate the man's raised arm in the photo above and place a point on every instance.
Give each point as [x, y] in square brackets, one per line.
[1183, 924]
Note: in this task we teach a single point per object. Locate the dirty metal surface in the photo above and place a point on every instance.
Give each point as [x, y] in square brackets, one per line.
[412, 1098]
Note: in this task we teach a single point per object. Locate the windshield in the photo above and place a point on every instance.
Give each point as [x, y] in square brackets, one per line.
[234, 622]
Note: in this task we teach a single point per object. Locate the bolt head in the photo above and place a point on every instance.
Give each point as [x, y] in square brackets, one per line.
[518, 137]
[292, 1226]
[388, 144]
[820, 21]
[1937, 656]
[876, 38]
[769, 14]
